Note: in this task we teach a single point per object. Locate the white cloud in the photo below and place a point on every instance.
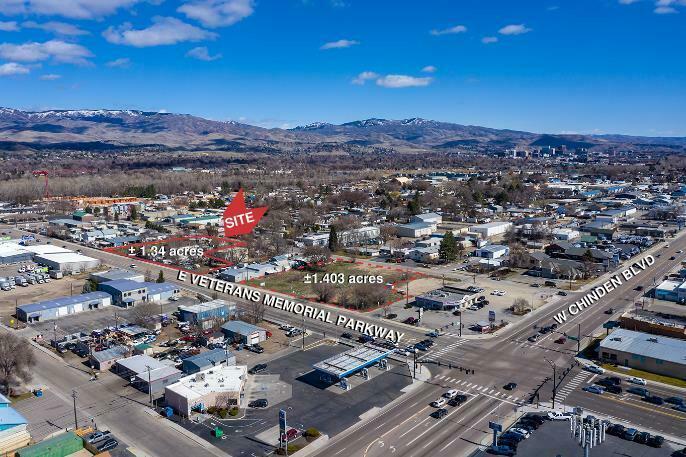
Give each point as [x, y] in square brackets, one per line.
[627, 2]
[75, 9]
[514, 29]
[8, 26]
[217, 13]
[364, 77]
[58, 28]
[122, 62]
[164, 31]
[57, 50]
[429, 69]
[50, 77]
[339, 44]
[13, 68]
[401, 81]
[665, 10]
[202, 53]
[450, 30]
[489, 39]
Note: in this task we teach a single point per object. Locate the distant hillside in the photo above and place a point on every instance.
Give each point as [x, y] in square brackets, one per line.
[102, 130]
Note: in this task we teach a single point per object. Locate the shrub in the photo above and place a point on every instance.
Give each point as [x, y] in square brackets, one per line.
[223, 413]
[312, 433]
[212, 410]
[234, 411]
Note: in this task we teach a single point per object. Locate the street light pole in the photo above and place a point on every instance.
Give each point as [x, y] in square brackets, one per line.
[149, 384]
[76, 421]
[554, 379]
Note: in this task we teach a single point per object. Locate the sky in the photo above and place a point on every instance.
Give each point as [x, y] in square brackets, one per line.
[553, 66]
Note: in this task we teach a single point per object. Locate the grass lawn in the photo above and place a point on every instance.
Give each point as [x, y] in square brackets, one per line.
[293, 281]
[645, 375]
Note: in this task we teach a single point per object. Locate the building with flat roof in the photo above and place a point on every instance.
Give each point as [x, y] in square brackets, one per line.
[104, 360]
[67, 261]
[492, 251]
[416, 229]
[146, 373]
[643, 351]
[12, 252]
[13, 428]
[244, 332]
[491, 229]
[446, 298]
[671, 290]
[64, 306]
[208, 313]
[219, 386]
[125, 292]
[209, 359]
[115, 274]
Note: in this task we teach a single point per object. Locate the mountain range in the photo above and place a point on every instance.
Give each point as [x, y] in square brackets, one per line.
[120, 129]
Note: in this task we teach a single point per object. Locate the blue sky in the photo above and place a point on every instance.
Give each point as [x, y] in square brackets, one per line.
[587, 66]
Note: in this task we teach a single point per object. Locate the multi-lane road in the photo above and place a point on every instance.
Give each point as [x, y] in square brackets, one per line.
[406, 427]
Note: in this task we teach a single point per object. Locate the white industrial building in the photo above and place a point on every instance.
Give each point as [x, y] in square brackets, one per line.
[416, 229]
[566, 234]
[217, 386]
[60, 307]
[67, 261]
[490, 229]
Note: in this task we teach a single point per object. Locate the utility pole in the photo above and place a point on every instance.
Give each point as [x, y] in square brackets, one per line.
[407, 288]
[460, 330]
[54, 333]
[554, 379]
[303, 332]
[149, 385]
[76, 421]
[414, 364]
[578, 340]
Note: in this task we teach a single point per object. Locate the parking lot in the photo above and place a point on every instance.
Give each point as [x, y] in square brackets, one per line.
[554, 438]
[311, 404]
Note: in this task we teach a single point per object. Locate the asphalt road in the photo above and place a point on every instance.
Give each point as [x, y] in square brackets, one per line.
[509, 357]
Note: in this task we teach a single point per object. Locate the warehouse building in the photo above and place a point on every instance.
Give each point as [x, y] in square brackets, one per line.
[492, 251]
[13, 428]
[642, 351]
[416, 229]
[104, 360]
[207, 314]
[243, 332]
[69, 262]
[53, 309]
[125, 292]
[146, 373]
[206, 360]
[490, 229]
[160, 292]
[115, 274]
[218, 386]
[59, 445]
[11, 252]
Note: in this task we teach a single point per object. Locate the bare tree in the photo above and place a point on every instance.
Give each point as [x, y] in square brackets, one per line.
[16, 361]
[521, 306]
[256, 311]
[143, 314]
[325, 291]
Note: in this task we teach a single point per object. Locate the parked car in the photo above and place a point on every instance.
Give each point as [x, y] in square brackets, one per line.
[635, 380]
[256, 348]
[642, 437]
[593, 389]
[511, 436]
[613, 389]
[562, 293]
[439, 403]
[510, 386]
[259, 403]
[680, 408]
[630, 434]
[675, 400]
[500, 450]
[654, 399]
[107, 445]
[290, 435]
[594, 369]
[520, 431]
[638, 391]
[440, 413]
[616, 430]
[258, 368]
[656, 441]
[557, 415]
[95, 437]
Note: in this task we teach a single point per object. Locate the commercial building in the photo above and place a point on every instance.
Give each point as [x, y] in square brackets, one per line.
[243, 332]
[491, 229]
[428, 218]
[60, 445]
[104, 360]
[115, 274]
[427, 254]
[446, 298]
[217, 386]
[13, 428]
[67, 261]
[492, 251]
[160, 292]
[12, 252]
[59, 307]
[207, 314]
[416, 229]
[671, 290]
[146, 373]
[206, 360]
[642, 351]
[351, 361]
[125, 292]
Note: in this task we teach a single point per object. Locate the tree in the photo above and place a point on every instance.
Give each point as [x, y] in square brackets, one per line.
[521, 306]
[448, 249]
[414, 206]
[256, 311]
[365, 296]
[134, 213]
[16, 361]
[160, 277]
[148, 276]
[325, 291]
[316, 255]
[333, 239]
[143, 313]
[89, 286]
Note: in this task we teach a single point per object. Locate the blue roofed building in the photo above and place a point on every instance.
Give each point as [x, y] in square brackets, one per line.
[125, 292]
[208, 313]
[64, 306]
[13, 428]
[206, 360]
[161, 291]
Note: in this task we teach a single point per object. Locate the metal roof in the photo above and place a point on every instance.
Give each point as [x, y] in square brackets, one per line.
[206, 306]
[208, 358]
[9, 416]
[111, 353]
[242, 328]
[159, 287]
[64, 301]
[647, 345]
[352, 360]
[125, 285]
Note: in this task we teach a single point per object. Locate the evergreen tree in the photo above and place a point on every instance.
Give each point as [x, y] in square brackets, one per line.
[160, 277]
[448, 249]
[134, 213]
[414, 206]
[333, 239]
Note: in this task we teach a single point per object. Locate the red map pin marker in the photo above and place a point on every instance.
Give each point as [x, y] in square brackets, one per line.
[239, 220]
